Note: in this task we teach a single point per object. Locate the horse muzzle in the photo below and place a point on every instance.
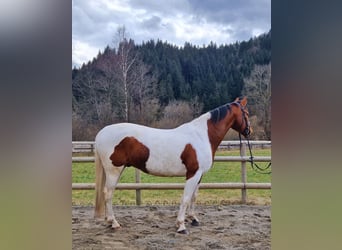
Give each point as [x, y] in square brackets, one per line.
[247, 132]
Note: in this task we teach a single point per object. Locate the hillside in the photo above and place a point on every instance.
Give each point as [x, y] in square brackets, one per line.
[164, 85]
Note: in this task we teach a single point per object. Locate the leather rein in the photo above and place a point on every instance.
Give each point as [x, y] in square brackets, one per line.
[246, 133]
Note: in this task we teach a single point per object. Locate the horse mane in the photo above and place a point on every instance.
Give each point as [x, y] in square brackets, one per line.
[219, 113]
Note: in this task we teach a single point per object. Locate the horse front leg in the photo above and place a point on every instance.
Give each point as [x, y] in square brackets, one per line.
[189, 190]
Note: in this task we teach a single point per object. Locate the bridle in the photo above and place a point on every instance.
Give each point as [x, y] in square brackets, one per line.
[246, 133]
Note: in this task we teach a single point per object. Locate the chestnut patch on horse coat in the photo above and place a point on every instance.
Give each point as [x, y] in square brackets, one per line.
[189, 159]
[130, 152]
[214, 139]
[217, 130]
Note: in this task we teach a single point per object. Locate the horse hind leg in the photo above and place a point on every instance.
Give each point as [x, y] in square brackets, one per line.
[113, 176]
[194, 219]
[110, 218]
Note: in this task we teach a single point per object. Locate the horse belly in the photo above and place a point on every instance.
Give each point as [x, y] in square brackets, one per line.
[165, 166]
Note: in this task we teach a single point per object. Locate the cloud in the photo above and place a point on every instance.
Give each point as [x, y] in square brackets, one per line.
[82, 52]
[152, 23]
[177, 21]
[243, 17]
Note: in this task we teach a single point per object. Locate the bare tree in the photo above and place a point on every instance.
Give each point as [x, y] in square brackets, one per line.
[258, 89]
[117, 87]
[86, 89]
[143, 94]
[135, 81]
[126, 60]
[100, 99]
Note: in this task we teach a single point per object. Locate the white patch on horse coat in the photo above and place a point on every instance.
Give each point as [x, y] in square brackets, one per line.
[165, 145]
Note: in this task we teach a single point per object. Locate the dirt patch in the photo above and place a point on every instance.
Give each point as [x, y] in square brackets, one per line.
[153, 227]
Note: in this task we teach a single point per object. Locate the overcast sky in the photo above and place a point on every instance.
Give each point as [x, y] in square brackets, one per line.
[95, 22]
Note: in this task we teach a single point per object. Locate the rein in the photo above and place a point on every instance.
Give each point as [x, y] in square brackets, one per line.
[246, 133]
[255, 167]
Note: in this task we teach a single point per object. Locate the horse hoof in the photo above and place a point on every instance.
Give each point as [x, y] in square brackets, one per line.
[195, 223]
[115, 227]
[183, 231]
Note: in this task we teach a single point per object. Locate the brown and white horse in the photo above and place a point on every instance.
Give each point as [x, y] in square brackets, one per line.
[187, 150]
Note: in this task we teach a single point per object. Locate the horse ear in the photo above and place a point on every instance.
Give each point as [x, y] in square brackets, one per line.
[237, 99]
[244, 101]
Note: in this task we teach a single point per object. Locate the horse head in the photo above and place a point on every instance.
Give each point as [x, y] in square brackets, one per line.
[241, 124]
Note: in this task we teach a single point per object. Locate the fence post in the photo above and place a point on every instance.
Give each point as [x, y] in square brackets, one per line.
[137, 191]
[243, 173]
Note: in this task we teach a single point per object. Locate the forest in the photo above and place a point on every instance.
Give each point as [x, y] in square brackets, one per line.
[163, 85]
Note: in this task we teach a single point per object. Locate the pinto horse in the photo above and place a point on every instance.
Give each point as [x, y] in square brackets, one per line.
[187, 150]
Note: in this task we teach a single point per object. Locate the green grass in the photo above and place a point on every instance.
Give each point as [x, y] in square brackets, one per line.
[220, 172]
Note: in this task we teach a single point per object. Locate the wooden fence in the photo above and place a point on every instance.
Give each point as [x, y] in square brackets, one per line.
[88, 147]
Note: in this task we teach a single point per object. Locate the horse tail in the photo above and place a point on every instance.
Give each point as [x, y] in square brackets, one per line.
[99, 187]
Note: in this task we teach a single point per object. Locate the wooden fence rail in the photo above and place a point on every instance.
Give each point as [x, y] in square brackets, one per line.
[216, 158]
[173, 186]
[88, 147]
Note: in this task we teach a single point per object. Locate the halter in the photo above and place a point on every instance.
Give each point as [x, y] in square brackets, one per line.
[246, 133]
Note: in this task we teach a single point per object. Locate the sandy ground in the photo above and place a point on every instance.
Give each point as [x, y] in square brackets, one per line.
[153, 227]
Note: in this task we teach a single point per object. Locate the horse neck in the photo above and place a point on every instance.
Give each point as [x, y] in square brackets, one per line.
[217, 130]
